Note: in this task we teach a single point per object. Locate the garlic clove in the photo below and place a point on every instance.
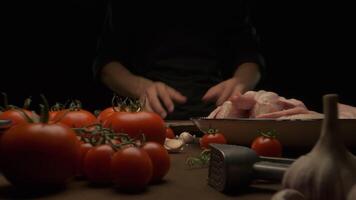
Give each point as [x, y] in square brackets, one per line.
[329, 170]
[288, 194]
[186, 137]
[174, 145]
[352, 193]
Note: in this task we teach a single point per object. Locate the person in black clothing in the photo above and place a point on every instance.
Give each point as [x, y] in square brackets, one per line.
[181, 62]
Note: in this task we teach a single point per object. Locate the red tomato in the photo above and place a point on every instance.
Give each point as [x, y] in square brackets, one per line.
[105, 114]
[84, 148]
[97, 164]
[131, 169]
[137, 123]
[160, 160]
[170, 133]
[16, 116]
[54, 110]
[267, 146]
[52, 115]
[208, 138]
[39, 154]
[76, 118]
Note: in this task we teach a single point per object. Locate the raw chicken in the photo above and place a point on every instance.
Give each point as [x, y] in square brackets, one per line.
[264, 104]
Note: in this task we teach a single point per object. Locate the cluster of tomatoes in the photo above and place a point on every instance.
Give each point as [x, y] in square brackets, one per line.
[118, 146]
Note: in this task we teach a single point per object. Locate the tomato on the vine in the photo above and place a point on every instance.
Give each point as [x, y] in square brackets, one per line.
[105, 114]
[213, 136]
[97, 163]
[117, 104]
[52, 115]
[55, 109]
[17, 116]
[75, 118]
[137, 123]
[39, 154]
[131, 169]
[84, 148]
[267, 145]
[160, 160]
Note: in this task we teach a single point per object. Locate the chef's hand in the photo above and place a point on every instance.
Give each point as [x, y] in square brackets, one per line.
[245, 78]
[123, 82]
[224, 90]
[159, 93]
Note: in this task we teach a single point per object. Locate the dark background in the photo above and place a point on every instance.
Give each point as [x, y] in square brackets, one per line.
[49, 48]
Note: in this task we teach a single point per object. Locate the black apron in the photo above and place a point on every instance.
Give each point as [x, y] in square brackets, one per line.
[184, 54]
[192, 77]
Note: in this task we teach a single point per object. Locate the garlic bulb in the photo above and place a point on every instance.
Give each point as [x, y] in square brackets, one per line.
[352, 193]
[186, 137]
[288, 194]
[329, 170]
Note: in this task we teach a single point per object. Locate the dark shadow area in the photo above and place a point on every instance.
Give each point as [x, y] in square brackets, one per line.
[160, 182]
[50, 47]
[99, 185]
[249, 190]
[130, 191]
[12, 192]
[306, 46]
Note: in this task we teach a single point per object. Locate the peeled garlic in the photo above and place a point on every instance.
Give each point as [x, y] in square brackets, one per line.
[174, 145]
[186, 137]
[329, 171]
[288, 194]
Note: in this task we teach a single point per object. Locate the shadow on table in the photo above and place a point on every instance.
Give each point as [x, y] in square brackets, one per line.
[12, 192]
[138, 191]
[135, 191]
[99, 185]
[251, 190]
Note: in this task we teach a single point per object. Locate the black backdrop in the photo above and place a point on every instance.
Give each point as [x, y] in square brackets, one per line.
[49, 48]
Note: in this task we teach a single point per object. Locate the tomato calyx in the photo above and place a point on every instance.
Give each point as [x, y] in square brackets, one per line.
[44, 111]
[44, 116]
[6, 103]
[135, 105]
[125, 144]
[116, 103]
[27, 103]
[7, 106]
[212, 131]
[44, 108]
[75, 105]
[129, 105]
[269, 134]
[125, 104]
[96, 134]
[17, 114]
[127, 141]
[57, 107]
[122, 104]
[200, 161]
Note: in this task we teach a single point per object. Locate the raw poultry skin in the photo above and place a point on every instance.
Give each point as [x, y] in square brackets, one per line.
[265, 104]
